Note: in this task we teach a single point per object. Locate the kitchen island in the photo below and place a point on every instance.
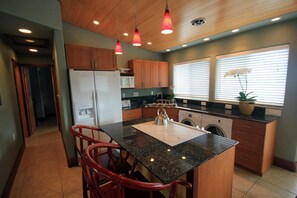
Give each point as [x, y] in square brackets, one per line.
[207, 160]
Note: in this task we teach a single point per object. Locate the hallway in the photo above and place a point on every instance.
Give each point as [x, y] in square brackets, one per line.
[43, 171]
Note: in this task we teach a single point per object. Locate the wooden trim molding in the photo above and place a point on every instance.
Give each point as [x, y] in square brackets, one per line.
[291, 166]
[9, 183]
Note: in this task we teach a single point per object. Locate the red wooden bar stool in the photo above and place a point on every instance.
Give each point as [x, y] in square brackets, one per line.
[119, 185]
[87, 135]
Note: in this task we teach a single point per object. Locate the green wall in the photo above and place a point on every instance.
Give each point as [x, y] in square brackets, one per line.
[277, 34]
[46, 13]
[79, 36]
[11, 135]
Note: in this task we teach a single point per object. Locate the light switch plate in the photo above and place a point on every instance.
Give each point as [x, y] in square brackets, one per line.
[228, 106]
[203, 103]
[185, 101]
[135, 94]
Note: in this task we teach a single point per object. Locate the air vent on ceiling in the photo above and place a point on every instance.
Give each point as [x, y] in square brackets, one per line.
[198, 21]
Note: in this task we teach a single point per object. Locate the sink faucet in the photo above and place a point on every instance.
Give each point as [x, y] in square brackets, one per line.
[160, 93]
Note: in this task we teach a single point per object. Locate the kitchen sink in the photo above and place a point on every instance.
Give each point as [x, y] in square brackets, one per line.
[162, 103]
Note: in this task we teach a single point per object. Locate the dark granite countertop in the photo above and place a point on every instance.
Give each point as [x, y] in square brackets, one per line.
[216, 109]
[257, 117]
[169, 162]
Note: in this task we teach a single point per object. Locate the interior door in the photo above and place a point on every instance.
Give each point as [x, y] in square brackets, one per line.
[28, 99]
[21, 101]
[56, 98]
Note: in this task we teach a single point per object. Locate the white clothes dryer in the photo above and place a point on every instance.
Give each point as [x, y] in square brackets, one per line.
[217, 125]
[189, 118]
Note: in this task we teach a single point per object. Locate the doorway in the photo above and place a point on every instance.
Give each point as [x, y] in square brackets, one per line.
[36, 96]
[43, 99]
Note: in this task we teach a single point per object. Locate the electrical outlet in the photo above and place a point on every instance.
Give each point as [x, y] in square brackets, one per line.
[152, 92]
[276, 112]
[185, 101]
[135, 94]
[228, 106]
[203, 103]
[13, 137]
[124, 95]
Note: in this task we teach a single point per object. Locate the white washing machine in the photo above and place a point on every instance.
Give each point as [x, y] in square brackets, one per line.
[189, 118]
[217, 125]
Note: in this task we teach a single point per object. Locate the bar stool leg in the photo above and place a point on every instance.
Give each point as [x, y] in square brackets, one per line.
[85, 187]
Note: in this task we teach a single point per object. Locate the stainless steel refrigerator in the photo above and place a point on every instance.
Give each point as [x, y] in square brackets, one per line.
[96, 97]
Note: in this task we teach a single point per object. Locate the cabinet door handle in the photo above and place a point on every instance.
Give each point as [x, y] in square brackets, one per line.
[247, 126]
[248, 141]
[244, 158]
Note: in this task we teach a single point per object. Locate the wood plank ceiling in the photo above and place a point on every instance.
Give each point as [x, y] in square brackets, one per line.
[221, 16]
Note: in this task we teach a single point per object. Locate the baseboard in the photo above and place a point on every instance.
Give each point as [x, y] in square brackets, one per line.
[291, 166]
[9, 183]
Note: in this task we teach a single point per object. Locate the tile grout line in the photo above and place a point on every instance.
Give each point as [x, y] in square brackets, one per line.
[278, 186]
[251, 187]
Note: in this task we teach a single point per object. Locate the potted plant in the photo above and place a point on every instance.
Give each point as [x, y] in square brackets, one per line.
[246, 103]
[171, 96]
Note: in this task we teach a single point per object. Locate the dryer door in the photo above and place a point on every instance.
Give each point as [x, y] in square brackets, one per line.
[189, 122]
[215, 129]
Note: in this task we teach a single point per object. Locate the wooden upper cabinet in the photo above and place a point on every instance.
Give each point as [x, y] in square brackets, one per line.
[88, 58]
[104, 59]
[146, 74]
[79, 57]
[136, 68]
[155, 74]
[163, 74]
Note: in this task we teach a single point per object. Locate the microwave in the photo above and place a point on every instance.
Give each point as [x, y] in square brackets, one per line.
[127, 82]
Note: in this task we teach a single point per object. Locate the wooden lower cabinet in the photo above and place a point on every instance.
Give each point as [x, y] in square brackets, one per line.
[256, 144]
[132, 114]
[152, 112]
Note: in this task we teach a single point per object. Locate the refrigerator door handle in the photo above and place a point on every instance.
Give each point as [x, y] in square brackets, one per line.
[95, 107]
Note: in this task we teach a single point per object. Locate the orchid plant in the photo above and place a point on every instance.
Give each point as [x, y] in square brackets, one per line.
[239, 72]
[171, 96]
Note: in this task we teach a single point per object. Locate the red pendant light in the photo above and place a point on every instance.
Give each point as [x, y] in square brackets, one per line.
[136, 38]
[118, 48]
[166, 24]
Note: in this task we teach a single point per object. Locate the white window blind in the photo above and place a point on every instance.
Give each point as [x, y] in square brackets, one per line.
[267, 79]
[191, 79]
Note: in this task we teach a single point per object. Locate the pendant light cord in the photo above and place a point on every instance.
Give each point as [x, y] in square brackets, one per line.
[135, 8]
[117, 12]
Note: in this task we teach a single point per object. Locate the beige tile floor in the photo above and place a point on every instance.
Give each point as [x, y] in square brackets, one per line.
[43, 172]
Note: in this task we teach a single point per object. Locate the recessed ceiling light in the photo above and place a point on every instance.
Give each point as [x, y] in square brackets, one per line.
[33, 50]
[29, 40]
[184, 45]
[168, 50]
[149, 43]
[206, 39]
[275, 19]
[26, 31]
[235, 30]
[126, 34]
[96, 22]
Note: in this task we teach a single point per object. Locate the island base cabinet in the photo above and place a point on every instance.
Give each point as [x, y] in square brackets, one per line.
[213, 178]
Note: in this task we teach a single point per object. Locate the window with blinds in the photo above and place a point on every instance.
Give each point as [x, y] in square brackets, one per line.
[267, 79]
[191, 79]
